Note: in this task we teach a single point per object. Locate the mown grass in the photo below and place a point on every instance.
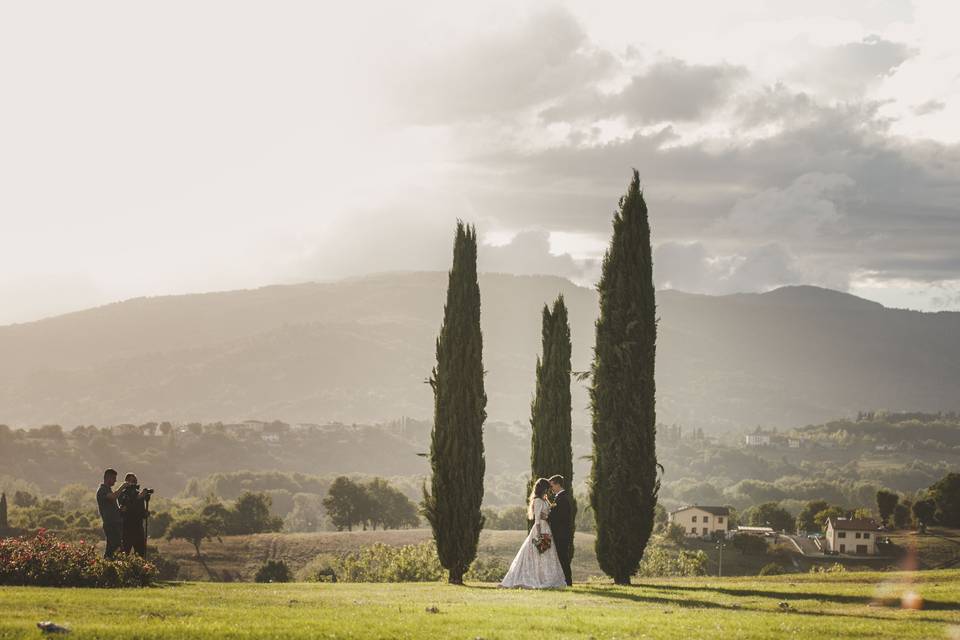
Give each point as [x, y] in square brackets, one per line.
[851, 605]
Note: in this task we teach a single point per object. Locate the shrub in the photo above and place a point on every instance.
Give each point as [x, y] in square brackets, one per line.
[487, 569]
[661, 561]
[772, 569]
[836, 567]
[167, 568]
[52, 521]
[675, 533]
[44, 560]
[322, 568]
[383, 563]
[273, 571]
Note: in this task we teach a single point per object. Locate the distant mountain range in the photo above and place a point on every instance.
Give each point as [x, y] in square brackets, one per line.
[360, 350]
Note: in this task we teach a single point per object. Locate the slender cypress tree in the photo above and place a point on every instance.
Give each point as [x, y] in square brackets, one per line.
[3, 512]
[456, 447]
[551, 449]
[623, 478]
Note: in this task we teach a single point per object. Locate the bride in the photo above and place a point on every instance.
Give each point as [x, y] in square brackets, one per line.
[536, 565]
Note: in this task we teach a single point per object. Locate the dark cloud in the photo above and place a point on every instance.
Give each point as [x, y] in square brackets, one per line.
[670, 90]
[832, 188]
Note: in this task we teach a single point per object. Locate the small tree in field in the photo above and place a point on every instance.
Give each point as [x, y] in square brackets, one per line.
[886, 504]
[196, 529]
[902, 515]
[389, 507]
[3, 512]
[806, 519]
[945, 493]
[347, 504]
[252, 514]
[923, 511]
[771, 514]
[452, 505]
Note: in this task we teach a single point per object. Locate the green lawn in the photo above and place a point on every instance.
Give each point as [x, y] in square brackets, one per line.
[848, 605]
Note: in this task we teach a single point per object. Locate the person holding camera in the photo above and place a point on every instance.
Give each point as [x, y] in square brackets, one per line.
[110, 511]
[134, 509]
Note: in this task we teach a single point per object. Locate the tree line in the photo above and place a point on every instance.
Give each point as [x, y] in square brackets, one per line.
[624, 478]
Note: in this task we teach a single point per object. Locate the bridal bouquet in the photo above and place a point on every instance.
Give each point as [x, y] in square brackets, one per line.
[541, 542]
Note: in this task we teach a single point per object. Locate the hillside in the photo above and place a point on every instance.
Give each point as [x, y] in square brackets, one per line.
[360, 349]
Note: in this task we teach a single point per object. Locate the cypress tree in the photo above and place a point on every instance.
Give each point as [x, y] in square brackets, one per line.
[623, 477]
[456, 446]
[551, 449]
[3, 512]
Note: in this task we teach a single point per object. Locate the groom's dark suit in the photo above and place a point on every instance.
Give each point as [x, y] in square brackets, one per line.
[561, 523]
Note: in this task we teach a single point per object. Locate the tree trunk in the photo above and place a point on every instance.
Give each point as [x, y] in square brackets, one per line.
[203, 563]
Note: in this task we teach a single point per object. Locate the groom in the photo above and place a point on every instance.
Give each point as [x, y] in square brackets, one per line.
[561, 524]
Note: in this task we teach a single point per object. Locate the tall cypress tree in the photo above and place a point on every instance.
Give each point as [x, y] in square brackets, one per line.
[456, 447]
[623, 478]
[3, 512]
[551, 449]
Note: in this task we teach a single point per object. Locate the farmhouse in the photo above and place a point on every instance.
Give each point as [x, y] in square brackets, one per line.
[701, 521]
[852, 535]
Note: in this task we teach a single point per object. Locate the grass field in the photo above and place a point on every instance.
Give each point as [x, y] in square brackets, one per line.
[858, 605]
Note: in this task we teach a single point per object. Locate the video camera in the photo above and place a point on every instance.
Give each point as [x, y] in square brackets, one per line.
[131, 493]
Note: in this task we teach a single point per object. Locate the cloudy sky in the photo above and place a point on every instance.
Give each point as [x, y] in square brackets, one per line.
[154, 148]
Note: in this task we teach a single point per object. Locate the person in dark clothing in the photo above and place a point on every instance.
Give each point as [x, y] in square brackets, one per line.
[561, 523]
[133, 507]
[110, 511]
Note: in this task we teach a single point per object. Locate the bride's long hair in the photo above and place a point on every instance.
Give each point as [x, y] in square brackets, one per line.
[540, 487]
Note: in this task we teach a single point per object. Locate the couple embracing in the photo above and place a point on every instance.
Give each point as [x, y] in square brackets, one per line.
[543, 561]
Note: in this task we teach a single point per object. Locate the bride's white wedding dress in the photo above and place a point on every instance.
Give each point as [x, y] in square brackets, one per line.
[531, 569]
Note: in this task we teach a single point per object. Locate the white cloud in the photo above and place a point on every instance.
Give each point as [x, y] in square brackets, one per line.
[807, 142]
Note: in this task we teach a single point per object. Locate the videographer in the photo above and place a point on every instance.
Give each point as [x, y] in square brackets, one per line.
[110, 511]
[134, 509]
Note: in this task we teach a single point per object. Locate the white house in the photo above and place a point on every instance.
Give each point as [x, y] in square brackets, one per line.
[758, 439]
[856, 536]
[701, 521]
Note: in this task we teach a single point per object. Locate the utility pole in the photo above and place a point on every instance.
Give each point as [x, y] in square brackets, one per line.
[720, 546]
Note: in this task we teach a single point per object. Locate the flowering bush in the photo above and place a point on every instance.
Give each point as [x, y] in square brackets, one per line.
[44, 560]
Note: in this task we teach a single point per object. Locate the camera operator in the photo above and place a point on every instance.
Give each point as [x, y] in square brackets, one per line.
[110, 511]
[134, 510]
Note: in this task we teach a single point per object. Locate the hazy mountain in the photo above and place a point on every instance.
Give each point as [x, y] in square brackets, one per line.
[360, 349]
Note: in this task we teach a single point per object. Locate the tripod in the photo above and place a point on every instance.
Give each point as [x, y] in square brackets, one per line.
[146, 524]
